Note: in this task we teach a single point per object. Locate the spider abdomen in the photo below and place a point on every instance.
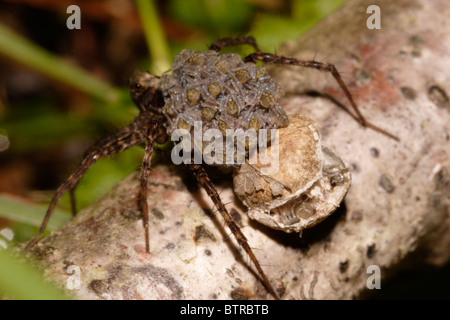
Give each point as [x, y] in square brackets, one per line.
[222, 92]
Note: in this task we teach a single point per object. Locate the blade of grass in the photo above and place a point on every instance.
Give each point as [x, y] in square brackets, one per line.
[23, 51]
[19, 280]
[20, 211]
[154, 35]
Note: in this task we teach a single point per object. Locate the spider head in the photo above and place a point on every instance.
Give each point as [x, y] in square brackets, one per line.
[145, 91]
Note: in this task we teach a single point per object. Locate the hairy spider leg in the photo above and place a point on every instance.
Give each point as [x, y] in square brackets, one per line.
[145, 173]
[73, 202]
[123, 139]
[322, 66]
[228, 42]
[203, 178]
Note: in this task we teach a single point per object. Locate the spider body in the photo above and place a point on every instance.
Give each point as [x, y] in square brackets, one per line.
[219, 91]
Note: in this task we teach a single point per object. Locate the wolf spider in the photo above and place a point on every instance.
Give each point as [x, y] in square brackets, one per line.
[223, 91]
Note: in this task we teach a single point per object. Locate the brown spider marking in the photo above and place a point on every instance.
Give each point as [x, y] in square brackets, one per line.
[223, 91]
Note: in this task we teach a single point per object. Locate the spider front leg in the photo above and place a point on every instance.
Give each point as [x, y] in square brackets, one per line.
[125, 138]
[322, 66]
[67, 185]
[202, 177]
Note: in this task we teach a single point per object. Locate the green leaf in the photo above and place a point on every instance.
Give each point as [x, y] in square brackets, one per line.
[25, 52]
[17, 210]
[219, 17]
[154, 35]
[20, 281]
[44, 130]
[271, 30]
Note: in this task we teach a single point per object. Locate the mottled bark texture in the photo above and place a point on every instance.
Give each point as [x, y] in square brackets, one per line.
[395, 214]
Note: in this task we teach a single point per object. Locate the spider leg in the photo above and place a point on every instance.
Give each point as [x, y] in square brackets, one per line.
[73, 203]
[67, 185]
[145, 173]
[202, 177]
[123, 139]
[322, 66]
[228, 42]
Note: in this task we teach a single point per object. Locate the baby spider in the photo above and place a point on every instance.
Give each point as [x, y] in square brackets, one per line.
[203, 90]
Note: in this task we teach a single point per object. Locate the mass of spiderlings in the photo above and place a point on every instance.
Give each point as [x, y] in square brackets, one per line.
[221, 91]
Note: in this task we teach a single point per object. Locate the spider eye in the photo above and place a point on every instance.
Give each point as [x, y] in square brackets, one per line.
[137, 86]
